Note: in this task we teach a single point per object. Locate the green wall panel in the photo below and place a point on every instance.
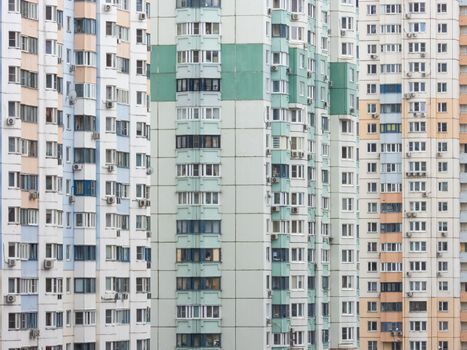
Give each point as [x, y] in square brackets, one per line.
[163, 73]
[242, 72]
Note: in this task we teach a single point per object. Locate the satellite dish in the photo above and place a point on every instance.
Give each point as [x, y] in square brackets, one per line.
[72, 97]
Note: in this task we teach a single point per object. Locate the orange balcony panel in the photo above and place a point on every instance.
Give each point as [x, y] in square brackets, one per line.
[463, 99]
[390, 277]
[463, 60]
[463, 137]
[390, 217]
[463, 78]
[388, 337]
[464, 336]
[390, 197]
[85, 75]
[390, 238]
[463, 20]
[463, 119]
[85, 42]
[463, 39]
[391, 257]
[464, 296]
[85, 9]
[463, 316]
[391, 297]
[391, 316]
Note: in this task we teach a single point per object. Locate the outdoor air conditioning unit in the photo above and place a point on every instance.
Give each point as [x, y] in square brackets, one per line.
[408, 234]
[96, 136]
[141, 203]
[409, 74]
[294, 210]
[295, 17]
[148, 171]
[373, 56]
[72, 68]
[142, 16]
[110, 199]
[342, 32]
[274, 68]
[10, 298]
[274, 209]
[111, 168]
[33, 195]
[10, 121]
[107, 7]
[148, 234]
[48, 264]
[11, 262]
[444, 234]
[269, 294]
[408, 274]
[34, 333]
[309, 101]
[274, 237]
[309, 74]
[410, 294]
[71, 199]
[274, 180]
[109, 104]
[77, 167]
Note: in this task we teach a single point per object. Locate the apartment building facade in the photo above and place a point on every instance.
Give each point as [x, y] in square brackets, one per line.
[409, 172]
[75, 179]
[254, 194]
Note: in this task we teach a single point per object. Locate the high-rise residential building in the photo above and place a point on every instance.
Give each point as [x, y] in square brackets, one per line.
[409, 175]
[74, 176]
[254, 197]
[463, 169]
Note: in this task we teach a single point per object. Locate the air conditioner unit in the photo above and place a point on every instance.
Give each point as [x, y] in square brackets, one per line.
[71, 199]
[269, 11]
[34, 333]
[294, 154]
[301, 155]
[408, 15]
[11, 262]
[117, 233]
[268, 125]
[444, 234]
[268, 180]
[33, 195]
[408, 234]
[408, 274]
[438, 154]
[438, 255]
[142, 16]
[424, 74]
[141, 203]
[409, 74]
[148, 171]
[342, 32]
[274, 209]
[294, 210]
[77, 167]
[48, 264]
[274, 237]
[110, 168]
[148, 234]
[59, 60]
[72, 68]
[10, 298]
[268, 152]
[288, 71]
[374, 115]
[269, 293]
[325, 104]
[424, 194]
[373, 56]
[95, 136]
[109, 104]
[410, 294]
[309, 74]
[268, 321]
[352, 110]
[325, 78]
[422, 55]
[295, 17]
[274, 180]
[310, 156]
[309, 101]
[10, 121]
[110, 199]
[124, 296]
[274, 68]
[408, 154]
[438, 274]
[107, 7]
